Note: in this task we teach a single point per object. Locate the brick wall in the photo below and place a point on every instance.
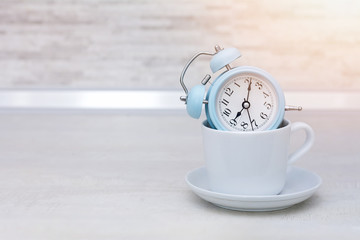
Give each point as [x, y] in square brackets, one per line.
[306, 45]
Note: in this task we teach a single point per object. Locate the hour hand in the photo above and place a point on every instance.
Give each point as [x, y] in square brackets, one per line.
[238, 115]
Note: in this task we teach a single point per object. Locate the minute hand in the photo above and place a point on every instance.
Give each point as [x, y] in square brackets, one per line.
[247, 109]
[249, 89]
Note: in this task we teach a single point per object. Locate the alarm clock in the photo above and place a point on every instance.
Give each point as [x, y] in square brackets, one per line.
[243, 98]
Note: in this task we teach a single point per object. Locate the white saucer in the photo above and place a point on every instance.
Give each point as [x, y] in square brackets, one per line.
[300, 185]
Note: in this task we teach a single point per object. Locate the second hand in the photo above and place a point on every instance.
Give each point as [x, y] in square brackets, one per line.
[250, 119]
[247, 99]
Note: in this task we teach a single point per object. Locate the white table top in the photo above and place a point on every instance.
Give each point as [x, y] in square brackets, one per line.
[120, 176]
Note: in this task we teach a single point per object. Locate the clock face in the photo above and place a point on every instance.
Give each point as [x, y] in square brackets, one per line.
[246, 102]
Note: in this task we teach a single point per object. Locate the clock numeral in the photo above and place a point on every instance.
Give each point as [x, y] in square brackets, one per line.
[257, 84]
[227, 112]
[237, 84]
[253, 123]
[244, 125]
[267, 105]
[247, 80]
[229, 92]
[225, 102]
[266, 95]
[263, 115]
[233, 122]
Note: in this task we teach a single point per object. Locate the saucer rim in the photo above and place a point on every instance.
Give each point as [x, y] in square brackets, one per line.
[258, 198]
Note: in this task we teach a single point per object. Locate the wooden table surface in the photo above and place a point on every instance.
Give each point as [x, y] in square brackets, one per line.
[121, 176]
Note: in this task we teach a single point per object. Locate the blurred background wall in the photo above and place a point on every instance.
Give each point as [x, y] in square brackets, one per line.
[144, 44]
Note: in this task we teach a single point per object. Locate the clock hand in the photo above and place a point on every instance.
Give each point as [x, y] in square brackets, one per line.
[244, 106]
[251, 122]
[249, 89]
[247, 100]
[238, 115]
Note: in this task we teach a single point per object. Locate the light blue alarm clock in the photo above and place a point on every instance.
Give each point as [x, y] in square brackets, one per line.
[242, 98]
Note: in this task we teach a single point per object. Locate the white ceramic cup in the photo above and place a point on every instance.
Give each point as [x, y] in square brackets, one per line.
[251, 163]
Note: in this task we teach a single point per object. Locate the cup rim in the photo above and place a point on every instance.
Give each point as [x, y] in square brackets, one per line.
[285, 122]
